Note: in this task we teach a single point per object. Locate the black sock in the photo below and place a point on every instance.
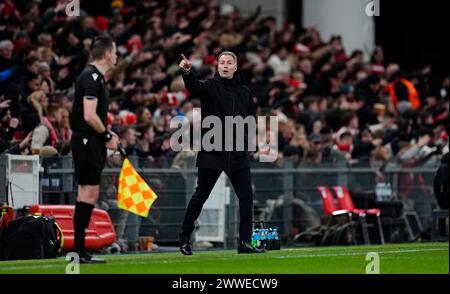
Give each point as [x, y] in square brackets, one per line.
[81, 218]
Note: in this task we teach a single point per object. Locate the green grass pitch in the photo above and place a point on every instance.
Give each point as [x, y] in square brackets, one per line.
[414, 258]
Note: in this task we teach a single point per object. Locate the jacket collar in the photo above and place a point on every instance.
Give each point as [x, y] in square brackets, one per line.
[230, 82]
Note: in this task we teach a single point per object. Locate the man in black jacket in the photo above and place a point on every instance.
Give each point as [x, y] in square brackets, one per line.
[221, 97]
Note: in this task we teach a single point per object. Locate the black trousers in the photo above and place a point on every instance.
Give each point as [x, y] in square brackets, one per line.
[207, 178]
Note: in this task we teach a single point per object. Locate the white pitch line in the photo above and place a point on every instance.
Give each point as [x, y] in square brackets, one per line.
[17, 267]
[188, 260]
[361, 253]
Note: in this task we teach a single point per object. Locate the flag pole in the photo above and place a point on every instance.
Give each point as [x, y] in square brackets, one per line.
[122, 151]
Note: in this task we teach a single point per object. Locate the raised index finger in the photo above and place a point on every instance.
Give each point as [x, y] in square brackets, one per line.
[184, 57]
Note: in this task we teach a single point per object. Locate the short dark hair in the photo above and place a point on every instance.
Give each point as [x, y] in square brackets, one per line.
[347, 116]
[100, 45]
[144, 129]
[345, 135]
[373, 79]
[30, 60]
[124, 130]
[31, 76]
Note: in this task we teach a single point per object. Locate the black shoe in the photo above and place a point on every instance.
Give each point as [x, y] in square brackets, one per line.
[87, 258]
[185, 245]
[247, 247]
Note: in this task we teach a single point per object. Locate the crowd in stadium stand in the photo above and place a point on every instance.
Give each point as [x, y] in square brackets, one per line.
[334, 107]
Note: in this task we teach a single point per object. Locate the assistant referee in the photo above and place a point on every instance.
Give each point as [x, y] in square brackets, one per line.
[90, 137]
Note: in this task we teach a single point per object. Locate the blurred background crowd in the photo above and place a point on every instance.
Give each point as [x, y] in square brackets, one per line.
[335, 108]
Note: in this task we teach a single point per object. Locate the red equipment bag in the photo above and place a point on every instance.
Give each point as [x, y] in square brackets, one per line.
[100, 232]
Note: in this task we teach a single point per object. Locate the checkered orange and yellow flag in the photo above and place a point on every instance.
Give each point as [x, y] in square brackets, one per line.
[134, 194]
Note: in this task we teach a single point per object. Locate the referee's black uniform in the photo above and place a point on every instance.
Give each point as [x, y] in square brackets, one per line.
[88, 147]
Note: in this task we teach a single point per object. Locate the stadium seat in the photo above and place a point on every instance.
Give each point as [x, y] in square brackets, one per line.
[345, 201]
[332, 213]
[99, 234]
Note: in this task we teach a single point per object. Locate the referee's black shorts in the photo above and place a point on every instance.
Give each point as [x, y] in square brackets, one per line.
[89, 154]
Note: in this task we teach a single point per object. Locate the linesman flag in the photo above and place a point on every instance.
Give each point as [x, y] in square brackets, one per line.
[134, 194]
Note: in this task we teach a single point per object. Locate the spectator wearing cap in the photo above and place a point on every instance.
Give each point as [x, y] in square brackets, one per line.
[316, 142]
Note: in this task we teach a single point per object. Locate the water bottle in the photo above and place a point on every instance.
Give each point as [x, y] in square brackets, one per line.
[269, 239]
[275, 234]
[276, 243]
[256, 238]
[263, 238]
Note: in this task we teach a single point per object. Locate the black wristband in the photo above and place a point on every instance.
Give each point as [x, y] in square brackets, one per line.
[106, 136]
